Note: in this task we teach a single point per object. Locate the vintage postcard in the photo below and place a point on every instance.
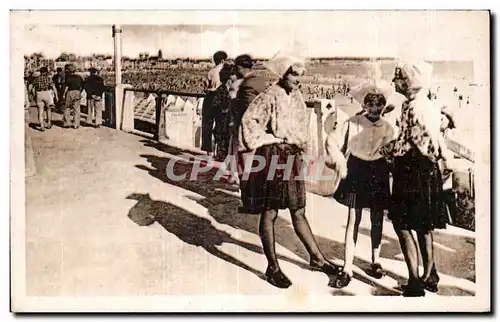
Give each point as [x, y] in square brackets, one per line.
[250, 161]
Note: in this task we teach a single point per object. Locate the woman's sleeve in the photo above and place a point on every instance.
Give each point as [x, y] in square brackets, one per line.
[424, 120]
[394, 140]
[254, 123]
[307, 133]
[336, 138]
[444, 152]
[392, 133]
[334, 143]
[301, 125]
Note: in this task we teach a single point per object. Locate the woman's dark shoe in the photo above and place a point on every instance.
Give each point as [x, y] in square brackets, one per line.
[415, 288]
[277, 278]
[327, 268]
[377, 271]
[431, 283]
[343, 279]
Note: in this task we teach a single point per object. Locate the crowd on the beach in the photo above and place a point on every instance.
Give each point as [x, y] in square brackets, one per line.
[318, 91]
[178, 80]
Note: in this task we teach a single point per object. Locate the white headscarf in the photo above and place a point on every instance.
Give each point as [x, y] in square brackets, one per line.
[283, 60]
[419, 73]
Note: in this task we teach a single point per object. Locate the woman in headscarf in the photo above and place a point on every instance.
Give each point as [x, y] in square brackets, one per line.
[275, 126]
[417, 192]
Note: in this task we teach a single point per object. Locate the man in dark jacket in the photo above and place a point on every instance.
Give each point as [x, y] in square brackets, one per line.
[94, 87]
[251, 86]
[72, 91]
[59, 80]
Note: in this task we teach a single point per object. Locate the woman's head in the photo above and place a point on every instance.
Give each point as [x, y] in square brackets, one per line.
[243, 65]
[291, 79]
[410, 78]
[401, 81]
[226, 72]
[288, 66]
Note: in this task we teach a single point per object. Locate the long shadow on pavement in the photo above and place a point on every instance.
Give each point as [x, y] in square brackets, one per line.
[162, 147]
[223, 208]
[188, 227]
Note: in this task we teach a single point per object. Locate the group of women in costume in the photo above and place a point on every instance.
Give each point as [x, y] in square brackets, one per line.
[367, 149]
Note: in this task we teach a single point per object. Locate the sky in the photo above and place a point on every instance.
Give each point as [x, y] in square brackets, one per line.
[433, 35]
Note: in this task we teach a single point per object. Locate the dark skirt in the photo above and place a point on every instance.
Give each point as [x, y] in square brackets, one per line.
[418, 201]
[280, 191]
[366, 184]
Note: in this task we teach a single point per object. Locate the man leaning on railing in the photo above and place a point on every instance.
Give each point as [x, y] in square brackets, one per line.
[94, 87]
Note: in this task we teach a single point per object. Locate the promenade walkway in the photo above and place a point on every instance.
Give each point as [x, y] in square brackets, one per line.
[103, 219]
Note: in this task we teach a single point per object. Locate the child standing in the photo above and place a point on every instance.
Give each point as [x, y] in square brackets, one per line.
[367, 182]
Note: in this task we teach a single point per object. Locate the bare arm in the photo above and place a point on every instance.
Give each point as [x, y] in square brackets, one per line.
[54, 89]
[65, 91]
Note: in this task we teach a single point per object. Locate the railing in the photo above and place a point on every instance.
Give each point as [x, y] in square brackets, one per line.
[150, 110]
[149, 115]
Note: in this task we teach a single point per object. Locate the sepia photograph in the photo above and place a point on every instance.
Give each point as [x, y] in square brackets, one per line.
[250, 161]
